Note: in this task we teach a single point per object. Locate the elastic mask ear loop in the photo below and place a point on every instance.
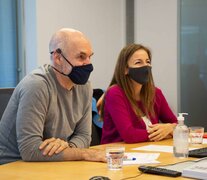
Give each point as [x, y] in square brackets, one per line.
[60, 52]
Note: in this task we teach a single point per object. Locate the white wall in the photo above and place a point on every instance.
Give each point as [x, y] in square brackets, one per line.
[103, 22]
[156, 26]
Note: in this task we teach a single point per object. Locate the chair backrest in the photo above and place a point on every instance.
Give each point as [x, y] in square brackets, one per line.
[5, 94]
[96, 135]
[96, 123]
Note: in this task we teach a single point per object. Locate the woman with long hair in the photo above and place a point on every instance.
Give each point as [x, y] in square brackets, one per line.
[133, 109]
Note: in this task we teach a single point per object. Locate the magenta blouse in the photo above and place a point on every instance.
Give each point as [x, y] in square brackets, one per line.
[121, 123]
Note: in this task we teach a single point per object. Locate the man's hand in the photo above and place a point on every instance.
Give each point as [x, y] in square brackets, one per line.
[53, 146]
[94, 155]
[84, 154]
[159, 132]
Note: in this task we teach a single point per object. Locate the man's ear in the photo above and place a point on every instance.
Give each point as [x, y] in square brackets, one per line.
[57, 58]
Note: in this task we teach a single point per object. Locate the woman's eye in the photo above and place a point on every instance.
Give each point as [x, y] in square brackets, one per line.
[137, 62]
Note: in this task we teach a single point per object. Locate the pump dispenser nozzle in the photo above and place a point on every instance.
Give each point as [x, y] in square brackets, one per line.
[180, 117]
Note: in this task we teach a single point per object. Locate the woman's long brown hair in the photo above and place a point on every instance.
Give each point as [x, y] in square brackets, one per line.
[122, 80]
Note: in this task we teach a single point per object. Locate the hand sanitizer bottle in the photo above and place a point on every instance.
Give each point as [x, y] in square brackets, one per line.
[180, 138]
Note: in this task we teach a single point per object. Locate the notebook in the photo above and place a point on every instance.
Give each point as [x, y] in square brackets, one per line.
[190, 168]
[197, 170]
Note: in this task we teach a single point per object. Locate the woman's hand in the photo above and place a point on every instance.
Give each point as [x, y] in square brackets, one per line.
[159, 132]
[53, 146]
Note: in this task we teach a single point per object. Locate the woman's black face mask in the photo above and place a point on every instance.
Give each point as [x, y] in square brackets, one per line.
[140, 74]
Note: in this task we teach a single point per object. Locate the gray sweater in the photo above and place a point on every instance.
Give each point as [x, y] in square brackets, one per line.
[40, 108]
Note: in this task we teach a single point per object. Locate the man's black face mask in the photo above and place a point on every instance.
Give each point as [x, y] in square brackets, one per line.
[78, 74]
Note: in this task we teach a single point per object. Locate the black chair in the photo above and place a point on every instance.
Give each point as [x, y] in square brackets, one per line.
[5, 94]
[96, 124]
[96, 135]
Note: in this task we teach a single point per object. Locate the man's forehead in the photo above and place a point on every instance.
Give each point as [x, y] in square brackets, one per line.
[81, 46]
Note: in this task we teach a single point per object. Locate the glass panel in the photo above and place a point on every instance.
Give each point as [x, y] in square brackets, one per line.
[8, 62]
[193, 69]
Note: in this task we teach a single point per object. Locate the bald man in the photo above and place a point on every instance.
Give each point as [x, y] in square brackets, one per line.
[48, 117]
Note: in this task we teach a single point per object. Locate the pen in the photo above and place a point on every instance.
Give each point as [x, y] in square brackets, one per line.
[130, 159]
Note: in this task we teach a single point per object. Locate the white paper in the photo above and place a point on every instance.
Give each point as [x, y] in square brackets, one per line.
[140, 158]
[204, 141]
[159, 148]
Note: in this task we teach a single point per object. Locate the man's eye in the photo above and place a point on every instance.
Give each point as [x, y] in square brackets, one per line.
[82, 56]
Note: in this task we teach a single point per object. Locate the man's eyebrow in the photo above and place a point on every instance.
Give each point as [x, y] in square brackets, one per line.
[92, 54]
[83, 53]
